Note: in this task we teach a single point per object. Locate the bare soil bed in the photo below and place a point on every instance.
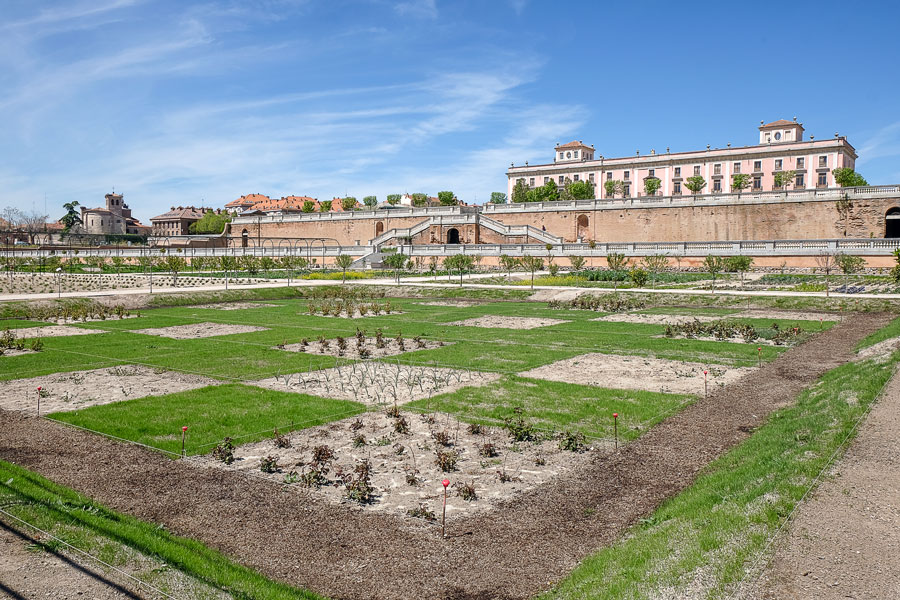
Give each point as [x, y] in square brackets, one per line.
[639, 373]
[503, 322]
[404, 471]
[374, 382]
[368, 348]
[653, 319]
[356, 314]
[199, 330]
[458, 303]
[787, 315]
[80, 389]
[65, 321]
[513, 552]
[235, 305]
[14, 352]
[54, 331]
[880, 351]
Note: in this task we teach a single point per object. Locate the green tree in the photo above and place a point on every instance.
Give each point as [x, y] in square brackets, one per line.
[614, 187]
[71, 217]
[850, 263]
[446, 198]
[348, 203]
[895, 270]
[370, 201]
[651, 185]
[581, 190]
[783, 179]
[250, 264]
[616, 262]
[847, 177]
[509, 263]
[393, 199]
[210, 223]
[825, 263]
[532, 264]
[695, 184]
[638, 276]
[396, 262]
[498, 198]
[713, 265]
[308, 206]
[266, 263]
[419, 199]
[520, 191]
[655, 264]
[740, 182]
[118, 262]
[174, 265]
[739, 264]
[343, 261]
[325, 205]
[577, 263]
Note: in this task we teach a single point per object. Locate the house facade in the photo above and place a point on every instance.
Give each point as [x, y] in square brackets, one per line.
[113, 219]
[781, 147]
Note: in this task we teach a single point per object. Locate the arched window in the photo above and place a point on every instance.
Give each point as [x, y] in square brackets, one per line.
[892, 223]
[453, 236]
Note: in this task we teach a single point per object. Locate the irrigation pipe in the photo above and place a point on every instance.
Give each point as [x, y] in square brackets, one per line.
[839, 450]
[130, 577]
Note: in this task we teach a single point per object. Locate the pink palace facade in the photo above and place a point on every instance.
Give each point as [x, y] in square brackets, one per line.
[781, 148]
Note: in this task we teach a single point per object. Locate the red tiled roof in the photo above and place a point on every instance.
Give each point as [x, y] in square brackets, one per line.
[247, 201]
[779, 123]
[574, 144]
[182, 212]
[285, 203]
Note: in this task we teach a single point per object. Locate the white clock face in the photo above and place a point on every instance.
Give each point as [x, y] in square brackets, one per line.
[777, 135]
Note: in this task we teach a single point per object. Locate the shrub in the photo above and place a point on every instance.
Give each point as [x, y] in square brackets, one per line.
[475, 429]
[268, 465]
[487, 450]
[446, 460]
[401, 425]
[638, 276]
[442, 438]
[280, 440]
[466, 491]
[573, 441]
[421, 512]
[356, 424]
[519, 429]
[359, 440]
[224, 451]
[37, 344]
[358, 486]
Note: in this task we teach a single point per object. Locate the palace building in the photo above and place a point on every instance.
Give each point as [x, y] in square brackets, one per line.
[781, 147]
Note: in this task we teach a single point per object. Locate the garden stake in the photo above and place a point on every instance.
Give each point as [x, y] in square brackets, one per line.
[616, 428]
[445, 483]
[759, 356]
[705, 388]
[183, 435]
[39, 400]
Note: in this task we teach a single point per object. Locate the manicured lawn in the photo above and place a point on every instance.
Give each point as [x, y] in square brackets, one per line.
[707, 534]
[557, 406]
[79, 521]
[244, 413]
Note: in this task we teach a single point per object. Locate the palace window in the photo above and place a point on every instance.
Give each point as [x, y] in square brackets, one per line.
[546, 180]
[575, 154]
[778, 164]
[801, 163]
[677, 171]
[575, 178]
[757, 165]
[757, 183]
[627, 190]
[677, 188]
[717, 185]
[652, 173]
[591, 177]
[697, 170]
[737, 167]
[626, 175]
[823, 162]
[798, 181]
[717, 169]
[823, 180]
[531, 182]
[608, 175]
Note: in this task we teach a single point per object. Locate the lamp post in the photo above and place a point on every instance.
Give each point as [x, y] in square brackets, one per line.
[59, 282]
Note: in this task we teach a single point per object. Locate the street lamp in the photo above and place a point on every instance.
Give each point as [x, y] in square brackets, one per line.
[59, 282]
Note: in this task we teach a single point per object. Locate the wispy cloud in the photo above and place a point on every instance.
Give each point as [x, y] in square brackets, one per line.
[68, 13]
[420, 9]
[885, 142]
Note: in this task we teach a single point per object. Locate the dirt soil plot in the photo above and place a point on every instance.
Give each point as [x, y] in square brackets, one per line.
[356, 314]
[502, 322]
[638, 373]
[236, 305]
[462, 302]
[64, 321]
[80, 389]
[377, 382]
[654, 319]
[54, 331]
[199, 330]
[390, 347]
[881, 350]
[416, 457]
[14, 352]
[844, 540]
[787, 315]
[513, 552]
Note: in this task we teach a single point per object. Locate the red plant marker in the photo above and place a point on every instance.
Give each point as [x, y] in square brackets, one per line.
[39, 400]
[616, 428]
[444, 483]
[183, 435]
[759, 356]
[705, 384]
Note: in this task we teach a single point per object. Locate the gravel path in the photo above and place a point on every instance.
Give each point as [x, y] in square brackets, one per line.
[844, 541]
[512, 552]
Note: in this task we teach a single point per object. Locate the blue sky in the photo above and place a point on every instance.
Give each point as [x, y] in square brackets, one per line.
[177, 102]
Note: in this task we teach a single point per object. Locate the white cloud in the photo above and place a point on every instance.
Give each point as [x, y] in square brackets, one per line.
[885, 142]
[420, 9]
